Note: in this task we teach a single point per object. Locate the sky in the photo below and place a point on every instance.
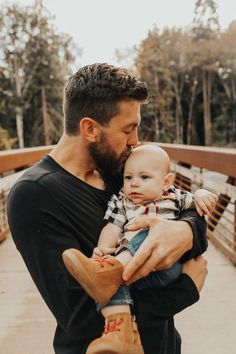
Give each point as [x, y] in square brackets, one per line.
[99, 27]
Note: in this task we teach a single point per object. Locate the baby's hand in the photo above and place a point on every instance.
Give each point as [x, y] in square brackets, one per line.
[102, 251]
[205, 201]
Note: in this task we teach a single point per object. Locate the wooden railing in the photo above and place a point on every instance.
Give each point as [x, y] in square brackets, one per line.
[194, 167]
[12, 166]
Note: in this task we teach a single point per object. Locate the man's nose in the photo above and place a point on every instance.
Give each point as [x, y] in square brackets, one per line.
[133, 138]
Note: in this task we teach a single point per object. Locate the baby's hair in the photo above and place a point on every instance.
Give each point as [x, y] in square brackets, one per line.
[162, 154]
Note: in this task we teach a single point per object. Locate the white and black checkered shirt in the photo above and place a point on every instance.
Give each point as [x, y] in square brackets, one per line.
[121, 211]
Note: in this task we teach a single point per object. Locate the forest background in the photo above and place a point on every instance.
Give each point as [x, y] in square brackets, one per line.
[191, 74]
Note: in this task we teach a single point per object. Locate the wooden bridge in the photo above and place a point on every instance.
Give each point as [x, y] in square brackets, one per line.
[208, 327]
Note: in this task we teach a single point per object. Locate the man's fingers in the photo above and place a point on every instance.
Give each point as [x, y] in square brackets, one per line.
[140, 223]
[137, 261]
[143, 271]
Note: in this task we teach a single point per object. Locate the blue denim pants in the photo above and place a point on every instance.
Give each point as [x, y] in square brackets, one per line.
[159, 279]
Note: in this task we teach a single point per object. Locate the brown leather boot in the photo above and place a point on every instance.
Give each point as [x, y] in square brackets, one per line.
[121, 336]
[100, 277]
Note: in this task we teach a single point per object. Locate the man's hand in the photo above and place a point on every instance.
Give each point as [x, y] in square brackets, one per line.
[196, 269]
[166, 242]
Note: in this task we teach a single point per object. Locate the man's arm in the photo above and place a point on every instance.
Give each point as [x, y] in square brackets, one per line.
[168, 301]
[166, 243]
[41, 238]
[199, 228]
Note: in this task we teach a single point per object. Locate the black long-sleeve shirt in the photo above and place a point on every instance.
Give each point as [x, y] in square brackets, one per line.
[50, 210]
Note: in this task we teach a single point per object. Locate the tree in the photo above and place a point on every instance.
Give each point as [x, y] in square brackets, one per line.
[50, 55]
[36, 62]
[158, 121]
[226, 47]
[13, 37]
[205, 29]
[191, 74]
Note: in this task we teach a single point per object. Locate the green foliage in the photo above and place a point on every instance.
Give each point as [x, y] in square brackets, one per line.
[206, 21]
[35, 62]
[6, 142]
[191, 74]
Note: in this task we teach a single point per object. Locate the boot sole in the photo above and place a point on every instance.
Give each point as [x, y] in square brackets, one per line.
[103, 349]
[75, 268]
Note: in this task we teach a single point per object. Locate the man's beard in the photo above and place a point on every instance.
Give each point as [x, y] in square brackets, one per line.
[105, 157]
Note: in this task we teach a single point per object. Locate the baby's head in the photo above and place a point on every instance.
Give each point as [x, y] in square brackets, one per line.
[147, 174]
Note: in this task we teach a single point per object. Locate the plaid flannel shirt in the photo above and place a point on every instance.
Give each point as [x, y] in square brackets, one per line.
[121, 211]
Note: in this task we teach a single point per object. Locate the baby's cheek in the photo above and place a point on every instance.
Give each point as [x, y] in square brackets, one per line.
[126, 188]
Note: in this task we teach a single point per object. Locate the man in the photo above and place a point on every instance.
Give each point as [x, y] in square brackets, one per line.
[60, 204]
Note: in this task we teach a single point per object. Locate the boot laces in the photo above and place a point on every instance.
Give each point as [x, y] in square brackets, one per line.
[104, 259]
[112, 326]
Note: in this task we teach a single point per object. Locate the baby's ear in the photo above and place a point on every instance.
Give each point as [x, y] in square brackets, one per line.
[168, 181]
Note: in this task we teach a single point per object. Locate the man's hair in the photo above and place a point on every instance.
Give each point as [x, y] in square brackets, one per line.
[95, 91]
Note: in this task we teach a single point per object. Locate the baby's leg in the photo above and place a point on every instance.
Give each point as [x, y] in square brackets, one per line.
[121, 335]
[127, 251]
[119, 303]
[124, 257]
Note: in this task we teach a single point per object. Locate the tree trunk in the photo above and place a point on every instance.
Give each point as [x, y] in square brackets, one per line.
[19, 109]
[230, 91]
[178, 87]
[233, 110]
[45, 117]
[190, 113]
[20, 126]
[207, 107]
[177, 121]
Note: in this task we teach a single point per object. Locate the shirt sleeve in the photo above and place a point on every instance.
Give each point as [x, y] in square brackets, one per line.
[41, 239]
[199, 228]
[184, 198]
[166, 302]
[115, 213]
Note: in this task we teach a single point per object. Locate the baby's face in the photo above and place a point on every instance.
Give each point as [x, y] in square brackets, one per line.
[143, 180]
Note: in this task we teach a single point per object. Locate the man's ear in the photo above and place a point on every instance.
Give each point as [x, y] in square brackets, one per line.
[90, 129]
[168, 181]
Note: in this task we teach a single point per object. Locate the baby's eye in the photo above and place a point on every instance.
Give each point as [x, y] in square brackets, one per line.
[145, 177]
[128, 177]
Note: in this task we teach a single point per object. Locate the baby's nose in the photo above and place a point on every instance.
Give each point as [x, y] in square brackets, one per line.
[134, 183]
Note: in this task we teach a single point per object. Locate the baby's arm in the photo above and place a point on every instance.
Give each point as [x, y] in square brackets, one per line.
[205, 201]
[108, 240]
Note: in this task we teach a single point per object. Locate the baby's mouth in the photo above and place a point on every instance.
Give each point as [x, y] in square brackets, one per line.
[134, 195]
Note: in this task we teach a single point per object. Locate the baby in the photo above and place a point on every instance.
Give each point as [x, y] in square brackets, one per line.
[147, 190]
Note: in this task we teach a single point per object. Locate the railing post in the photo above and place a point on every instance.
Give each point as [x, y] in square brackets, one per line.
[181, 181]
[235, 226]
[220, 207]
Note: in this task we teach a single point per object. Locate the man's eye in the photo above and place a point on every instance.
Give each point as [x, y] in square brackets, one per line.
[127, 132]
[128, 177]
[144, 177]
